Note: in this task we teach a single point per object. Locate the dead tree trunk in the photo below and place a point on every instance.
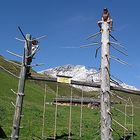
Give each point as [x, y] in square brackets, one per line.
[20, 93]
[106, 133]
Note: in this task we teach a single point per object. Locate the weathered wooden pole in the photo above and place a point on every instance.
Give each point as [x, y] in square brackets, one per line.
[106, 131]
[20, 94]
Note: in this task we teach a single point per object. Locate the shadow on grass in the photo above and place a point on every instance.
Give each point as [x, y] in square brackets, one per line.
[61, 137]
[2, 133]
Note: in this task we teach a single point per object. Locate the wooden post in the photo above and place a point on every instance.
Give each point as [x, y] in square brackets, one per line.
[21, 86]
[106, 133]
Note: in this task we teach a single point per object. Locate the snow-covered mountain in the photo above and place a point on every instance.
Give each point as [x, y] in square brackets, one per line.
[80, 73]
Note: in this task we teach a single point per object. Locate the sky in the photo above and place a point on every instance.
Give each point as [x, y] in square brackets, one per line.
[67, 24]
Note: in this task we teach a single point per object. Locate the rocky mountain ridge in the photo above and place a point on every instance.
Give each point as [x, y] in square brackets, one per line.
[81, 73]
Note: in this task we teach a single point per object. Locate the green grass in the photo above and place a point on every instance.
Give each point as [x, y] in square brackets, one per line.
[33, 110]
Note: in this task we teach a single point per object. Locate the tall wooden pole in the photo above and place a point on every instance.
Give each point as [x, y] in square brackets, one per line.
[21, 86]
[106, 133]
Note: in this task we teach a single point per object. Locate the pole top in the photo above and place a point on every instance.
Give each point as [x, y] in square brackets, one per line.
[105, 19]
[28, 36]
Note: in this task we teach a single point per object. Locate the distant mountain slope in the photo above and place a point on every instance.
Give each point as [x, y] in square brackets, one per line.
[80, 73]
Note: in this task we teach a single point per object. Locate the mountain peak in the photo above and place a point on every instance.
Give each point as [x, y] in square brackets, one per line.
[80, 73]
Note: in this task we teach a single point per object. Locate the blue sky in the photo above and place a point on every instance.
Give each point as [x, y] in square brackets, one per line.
[67, 23]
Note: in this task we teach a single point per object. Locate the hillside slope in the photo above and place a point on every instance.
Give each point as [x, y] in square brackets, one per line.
[33, 110]
[33, 104]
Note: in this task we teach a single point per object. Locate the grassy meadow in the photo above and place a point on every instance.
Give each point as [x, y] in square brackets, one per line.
[32, 121]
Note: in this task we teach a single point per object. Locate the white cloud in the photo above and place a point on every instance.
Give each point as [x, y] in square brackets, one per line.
[81, 18]
[123, 27]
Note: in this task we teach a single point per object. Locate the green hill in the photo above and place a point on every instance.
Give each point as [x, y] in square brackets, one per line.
[33, 110]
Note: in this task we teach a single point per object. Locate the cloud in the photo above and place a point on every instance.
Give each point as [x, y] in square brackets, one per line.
[81, 18]
[121, 28]
[70, 47]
